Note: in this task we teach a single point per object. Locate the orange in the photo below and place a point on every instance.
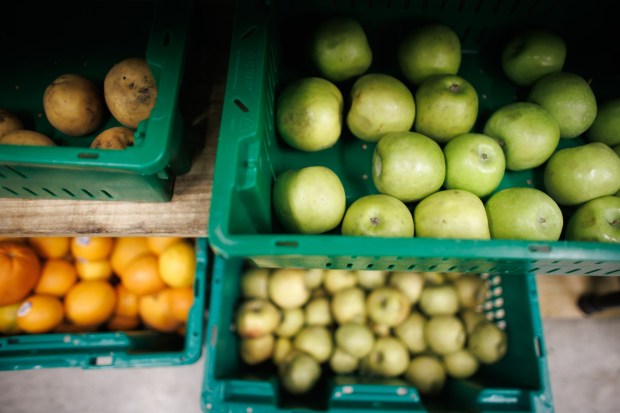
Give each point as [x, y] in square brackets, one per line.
[126, 250]
[91, 248]
[181, 300]
[141, 276]
[19, 271]
[177, 265]
[39, 314]
[50, 247]
[126, 302]
[93, 270]
[57, 276]
[157, 245]
[8, 319]
[156, 313]
[89, 303]
[123, 323]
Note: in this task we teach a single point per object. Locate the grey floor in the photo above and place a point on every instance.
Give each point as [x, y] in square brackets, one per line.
[583, 358]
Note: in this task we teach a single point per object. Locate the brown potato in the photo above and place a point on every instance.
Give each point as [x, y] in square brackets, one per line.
[130, 91]
[9, 123]
[118, 137]
[73, 105]
[26, 137]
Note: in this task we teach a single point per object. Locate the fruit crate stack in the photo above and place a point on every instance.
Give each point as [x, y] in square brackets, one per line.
[254, 220]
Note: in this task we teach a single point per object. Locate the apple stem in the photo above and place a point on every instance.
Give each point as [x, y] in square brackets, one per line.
[454, 87]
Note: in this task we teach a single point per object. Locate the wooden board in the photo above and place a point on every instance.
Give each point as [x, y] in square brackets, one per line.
[187, 214]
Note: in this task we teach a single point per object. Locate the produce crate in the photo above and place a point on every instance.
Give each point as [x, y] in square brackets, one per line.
[517, 383]
[88, 38]
[266, 54]
[143, 348]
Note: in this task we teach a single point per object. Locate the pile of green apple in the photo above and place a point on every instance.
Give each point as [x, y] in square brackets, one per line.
[428, 159]
[423, 327]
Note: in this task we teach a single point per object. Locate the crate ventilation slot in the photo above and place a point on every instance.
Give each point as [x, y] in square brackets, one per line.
[241, 105]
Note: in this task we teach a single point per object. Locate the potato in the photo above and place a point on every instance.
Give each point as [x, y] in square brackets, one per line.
[73, 105]
[26, 137]
[9, 123]
[130, 91]
[118, 137]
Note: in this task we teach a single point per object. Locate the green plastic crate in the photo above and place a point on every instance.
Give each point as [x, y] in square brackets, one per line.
[266, 55]
[517, 383]
[143, 348]
[88, 38]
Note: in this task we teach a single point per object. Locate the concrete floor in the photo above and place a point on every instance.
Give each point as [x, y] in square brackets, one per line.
[584, 361]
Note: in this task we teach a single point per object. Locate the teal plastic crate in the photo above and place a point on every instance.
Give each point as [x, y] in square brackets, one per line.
[517, 383]
[88, 38]
[266, 55]
[141, 348]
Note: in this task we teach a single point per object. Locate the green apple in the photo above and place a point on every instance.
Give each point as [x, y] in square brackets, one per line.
[389, 357]
[578, 174]
[299, 372]
[411, 332]
[292, 321]
[256, 350]
[257, 317]
[254, 282]
[471, 319]
[315, 341]
[310, 200]
[596, 220]
[606, 126]
[314, 278]
[281, 350]
[309, 114]
[411, 284]
[442, 299]
[387, 306]
[471, 290]
[525, 214]
[461, 364]
[569, 99]
[408, 166]
[369, 279]
[287, 288]
[356, 339]
[452, 213]
[444, 334]
[339, 49]
[349, 305]
[427, 374]
[378, 216]
[430, 49]
[342, 362]
[488, 343]
[475, 163]
[527, 133]
[318, 312]
[337, 280]
[380, 104]
[446, 107]
[532, 54]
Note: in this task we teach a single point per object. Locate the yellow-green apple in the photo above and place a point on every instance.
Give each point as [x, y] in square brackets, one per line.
[606, 126]
[532, 54]
[461, 364]
[287, 288]
[387, 306]
[409, 283]
[471, 290]
[316, 341]
[452, 213]
[380, 104]
[378, 216]
[429, 49]
[314, 278]
[369, 279]
[525, 214]
[257, 317]
[444, 334]
[569, 99]
[292, 321]
[342, 362]
[427, 374]
[408, 166]
[309, 114]
[254, 282]
[411, 332]
[310, 200]
[336, 280]
[527, 133]
[349, 305]
[339, 48]
[439, 299]
[281, 350]
[355, 339]
[597, 220]
[318, 312]
[470, 319]
[576, 175]
[299, 372]
[488, 343]
[389, 357]
[446, 107]
[475, 163]
[257, 349]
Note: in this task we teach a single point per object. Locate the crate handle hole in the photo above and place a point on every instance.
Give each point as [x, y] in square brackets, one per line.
[540, 248]
[538, 347]
[293, 244]
[241, 105]
[86, 155]
[249, 32]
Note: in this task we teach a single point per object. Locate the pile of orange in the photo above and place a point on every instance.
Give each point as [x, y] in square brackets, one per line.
[62, 284]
